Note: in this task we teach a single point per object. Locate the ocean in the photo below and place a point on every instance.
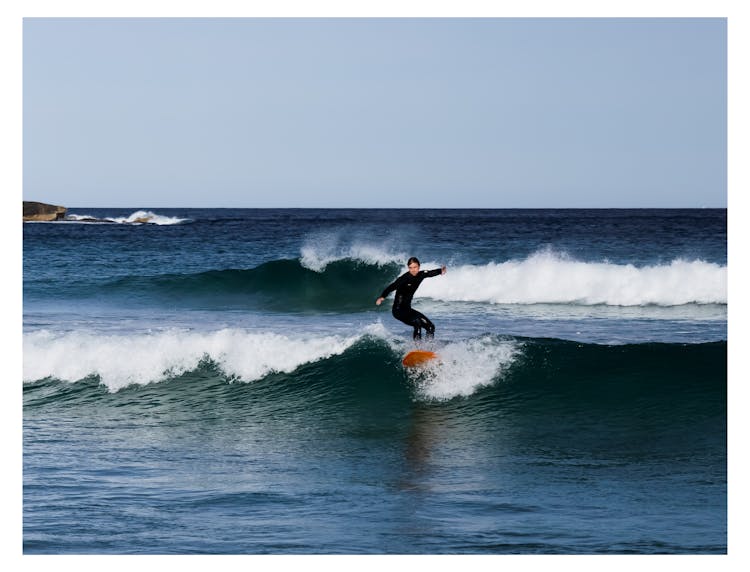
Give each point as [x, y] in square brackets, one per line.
[220, 381]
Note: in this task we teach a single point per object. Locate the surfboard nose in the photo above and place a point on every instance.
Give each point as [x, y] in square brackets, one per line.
[417, 358]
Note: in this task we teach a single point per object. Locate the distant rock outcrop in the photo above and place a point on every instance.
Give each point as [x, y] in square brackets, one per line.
[42, 212]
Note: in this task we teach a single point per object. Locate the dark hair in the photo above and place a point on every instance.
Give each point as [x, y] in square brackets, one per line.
[413, 259]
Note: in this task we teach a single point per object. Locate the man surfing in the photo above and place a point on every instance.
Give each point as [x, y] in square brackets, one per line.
[405, 286]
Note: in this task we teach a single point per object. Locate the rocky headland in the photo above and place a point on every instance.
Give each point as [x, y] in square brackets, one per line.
[42, 212]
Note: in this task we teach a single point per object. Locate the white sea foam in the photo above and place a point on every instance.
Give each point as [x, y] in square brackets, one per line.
[465, 366]
[138, 217]
[552, 278]
[150, 218]
[122, 360]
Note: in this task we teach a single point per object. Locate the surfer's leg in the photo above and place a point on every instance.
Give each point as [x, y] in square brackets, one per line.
[420, 321]
[414, 319]
[410, 319]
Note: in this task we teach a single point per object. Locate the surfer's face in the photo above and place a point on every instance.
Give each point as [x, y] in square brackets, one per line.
[413, 268]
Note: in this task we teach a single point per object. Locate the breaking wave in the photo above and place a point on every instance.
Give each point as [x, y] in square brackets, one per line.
[138, 217]
[551, 278]
[347, 284]
[548, 373]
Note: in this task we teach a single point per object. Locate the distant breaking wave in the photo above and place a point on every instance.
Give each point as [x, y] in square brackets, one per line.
[138, 217]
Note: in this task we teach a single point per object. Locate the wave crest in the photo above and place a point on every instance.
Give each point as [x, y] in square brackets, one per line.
[138, 359]
[323, 249]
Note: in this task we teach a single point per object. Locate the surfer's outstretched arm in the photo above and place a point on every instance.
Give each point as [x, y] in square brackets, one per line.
[435, 272]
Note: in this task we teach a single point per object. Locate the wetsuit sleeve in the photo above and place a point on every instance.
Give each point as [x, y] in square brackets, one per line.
[391, 287]
[431, 273]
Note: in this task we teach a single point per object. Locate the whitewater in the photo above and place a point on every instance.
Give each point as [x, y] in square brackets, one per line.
[556, 278]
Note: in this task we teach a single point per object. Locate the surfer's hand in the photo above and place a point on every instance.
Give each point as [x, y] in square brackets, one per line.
[379, 301]
[443, 270]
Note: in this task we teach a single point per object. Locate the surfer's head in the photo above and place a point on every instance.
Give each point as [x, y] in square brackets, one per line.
[413, 264]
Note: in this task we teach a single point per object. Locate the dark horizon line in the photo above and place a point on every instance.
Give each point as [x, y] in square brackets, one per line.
[397, 208]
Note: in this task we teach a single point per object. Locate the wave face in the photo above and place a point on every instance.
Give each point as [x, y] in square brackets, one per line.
[279, 285]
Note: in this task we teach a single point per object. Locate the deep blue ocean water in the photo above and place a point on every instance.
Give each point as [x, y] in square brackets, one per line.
[221, 381]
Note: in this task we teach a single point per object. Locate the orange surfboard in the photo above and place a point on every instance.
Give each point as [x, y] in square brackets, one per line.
[418, 357]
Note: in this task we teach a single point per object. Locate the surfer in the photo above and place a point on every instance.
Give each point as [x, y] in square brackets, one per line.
[405, 286]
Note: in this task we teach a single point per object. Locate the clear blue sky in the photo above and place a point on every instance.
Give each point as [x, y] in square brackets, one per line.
[497, 113]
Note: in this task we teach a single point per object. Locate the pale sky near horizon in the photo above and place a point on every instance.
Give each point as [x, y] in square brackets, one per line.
[495, 113]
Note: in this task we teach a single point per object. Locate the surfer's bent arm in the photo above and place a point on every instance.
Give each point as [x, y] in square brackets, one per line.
[388, 289]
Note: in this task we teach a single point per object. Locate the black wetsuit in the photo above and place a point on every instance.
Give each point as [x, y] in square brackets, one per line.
[405, 286]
